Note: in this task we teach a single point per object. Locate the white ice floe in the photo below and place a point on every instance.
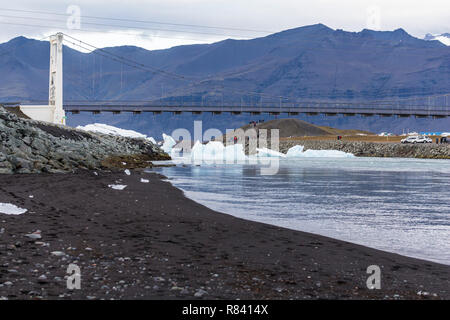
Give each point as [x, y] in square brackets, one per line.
[117, 186]
[9, 208]
[168, 143]
[297, 152]
[111, 130]
[265, 152]
[127, 172]
[216, 151]
[145, 180]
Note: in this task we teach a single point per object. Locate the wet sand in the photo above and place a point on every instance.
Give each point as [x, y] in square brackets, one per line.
[148, 241]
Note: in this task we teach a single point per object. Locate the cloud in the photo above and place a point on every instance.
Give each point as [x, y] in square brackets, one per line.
[175, 22]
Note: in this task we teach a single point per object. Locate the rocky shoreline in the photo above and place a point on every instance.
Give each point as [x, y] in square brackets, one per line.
[375, 149]
[28, 146]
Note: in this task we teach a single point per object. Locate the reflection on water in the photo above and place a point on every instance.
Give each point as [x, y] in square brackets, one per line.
[397, 205]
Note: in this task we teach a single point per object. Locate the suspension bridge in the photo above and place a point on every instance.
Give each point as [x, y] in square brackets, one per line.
[435, 106]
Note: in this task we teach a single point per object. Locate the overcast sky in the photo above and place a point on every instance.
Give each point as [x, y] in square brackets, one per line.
[204, 21]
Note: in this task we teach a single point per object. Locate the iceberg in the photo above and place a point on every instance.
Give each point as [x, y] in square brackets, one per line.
[265, 152]
[297, 152]
[168, 143]
[114, 131]
[216, 151]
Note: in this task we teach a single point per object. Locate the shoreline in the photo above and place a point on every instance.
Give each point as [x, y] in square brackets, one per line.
[149, 241]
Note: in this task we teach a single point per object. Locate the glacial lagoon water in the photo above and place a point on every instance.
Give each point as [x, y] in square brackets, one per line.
[396, 205]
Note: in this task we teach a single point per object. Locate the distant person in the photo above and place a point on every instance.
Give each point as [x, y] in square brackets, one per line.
[437, 140]
[235, 139]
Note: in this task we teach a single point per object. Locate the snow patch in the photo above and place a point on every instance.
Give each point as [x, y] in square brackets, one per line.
[9, 208]
[114, 131]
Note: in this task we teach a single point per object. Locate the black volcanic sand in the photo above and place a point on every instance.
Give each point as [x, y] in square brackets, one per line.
[150, 242]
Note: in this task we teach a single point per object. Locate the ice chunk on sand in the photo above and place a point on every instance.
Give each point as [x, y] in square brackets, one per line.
[114, 131]
[117, 186]
[297, 152]
[127, 172]
[9, 208]
[216, 151]
[145, 180]
[265, 152]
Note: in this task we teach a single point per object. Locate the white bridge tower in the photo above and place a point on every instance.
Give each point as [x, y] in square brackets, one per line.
[55, 87]
[53, 112]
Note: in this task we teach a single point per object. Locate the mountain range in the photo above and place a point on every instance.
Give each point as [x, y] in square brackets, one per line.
[311, 62]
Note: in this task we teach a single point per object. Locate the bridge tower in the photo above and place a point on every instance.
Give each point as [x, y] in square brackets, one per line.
[53, 112]
[55, 87]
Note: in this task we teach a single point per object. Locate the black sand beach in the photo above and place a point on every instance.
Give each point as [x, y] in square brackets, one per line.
[150, 242]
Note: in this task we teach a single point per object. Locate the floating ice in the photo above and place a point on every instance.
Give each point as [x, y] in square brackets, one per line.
[117, 186]
[265, 152]
[168, 143]
[297, 152]
[9, 208]
[114, 131]
[216, 151]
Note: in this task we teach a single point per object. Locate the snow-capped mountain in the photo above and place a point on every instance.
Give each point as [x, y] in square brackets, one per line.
[444, 38]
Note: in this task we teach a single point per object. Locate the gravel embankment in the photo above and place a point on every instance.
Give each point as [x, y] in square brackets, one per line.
[28, 146]
[374, 149]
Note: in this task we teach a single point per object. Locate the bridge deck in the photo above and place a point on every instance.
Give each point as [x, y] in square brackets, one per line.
[326, 109]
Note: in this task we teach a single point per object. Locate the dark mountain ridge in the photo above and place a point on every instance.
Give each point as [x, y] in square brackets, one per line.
[308, 62]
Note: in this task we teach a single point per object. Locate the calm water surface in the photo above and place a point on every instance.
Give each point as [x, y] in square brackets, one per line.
[397, 205]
